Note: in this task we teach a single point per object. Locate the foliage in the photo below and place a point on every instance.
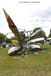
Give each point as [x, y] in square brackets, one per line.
[39, 34]
[2, 37]
[8, 40]
[13, 38]
[50, 33]
[37, 28]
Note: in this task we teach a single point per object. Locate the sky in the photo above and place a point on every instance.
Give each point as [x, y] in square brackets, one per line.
[26, 14]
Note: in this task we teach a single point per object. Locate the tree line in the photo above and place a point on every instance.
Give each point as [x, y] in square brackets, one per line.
[3, 38]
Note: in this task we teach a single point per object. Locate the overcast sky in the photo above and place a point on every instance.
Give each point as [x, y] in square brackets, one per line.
[26, 14]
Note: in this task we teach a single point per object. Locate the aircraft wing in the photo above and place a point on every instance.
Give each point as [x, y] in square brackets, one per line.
[12, 26]
[33, 35]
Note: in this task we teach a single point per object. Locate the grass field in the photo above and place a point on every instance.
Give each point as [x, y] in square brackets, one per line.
[33, 65]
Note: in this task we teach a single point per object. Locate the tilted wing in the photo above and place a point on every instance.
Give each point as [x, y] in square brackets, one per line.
[33, 35]
[12, 26]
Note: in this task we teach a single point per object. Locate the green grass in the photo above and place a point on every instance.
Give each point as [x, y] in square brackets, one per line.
[33, 65]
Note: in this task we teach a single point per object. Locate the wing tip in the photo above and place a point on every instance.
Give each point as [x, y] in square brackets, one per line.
[5, 13]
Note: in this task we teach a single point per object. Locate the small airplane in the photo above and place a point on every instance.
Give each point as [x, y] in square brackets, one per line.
[22, 46]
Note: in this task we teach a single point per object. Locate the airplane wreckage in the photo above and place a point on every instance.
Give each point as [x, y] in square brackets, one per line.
[23, 47]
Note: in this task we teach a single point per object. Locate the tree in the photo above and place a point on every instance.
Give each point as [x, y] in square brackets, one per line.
[50, 33]
[39, 34]
[34, 30]
[8, 40]
[13, 38]
[2, 37]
